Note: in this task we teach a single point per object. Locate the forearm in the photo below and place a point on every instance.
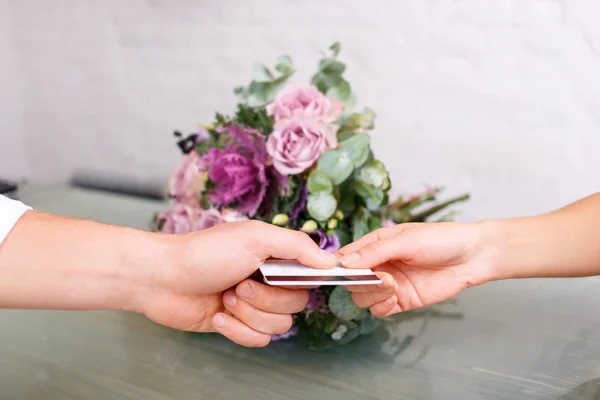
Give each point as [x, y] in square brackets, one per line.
[564, 243]
[51, 262]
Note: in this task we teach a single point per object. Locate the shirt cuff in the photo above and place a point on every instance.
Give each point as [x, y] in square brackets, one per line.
[10, 212]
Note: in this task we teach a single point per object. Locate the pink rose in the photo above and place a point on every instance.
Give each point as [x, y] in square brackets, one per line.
[304, 102]
[187, 179]
[232, 216]
[296, 144]
[186, 217]
[181, 218]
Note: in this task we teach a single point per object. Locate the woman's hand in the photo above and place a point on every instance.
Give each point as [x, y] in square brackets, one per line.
[419, 264]
[205, 287]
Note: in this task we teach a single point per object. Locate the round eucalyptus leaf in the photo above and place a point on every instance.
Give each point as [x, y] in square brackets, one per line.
[374, 174]
[357, 147]
[341, 304]
[321, 205]
[284, 64]
[341, 92]
[319, 181]
[369, 324]
[338, 165]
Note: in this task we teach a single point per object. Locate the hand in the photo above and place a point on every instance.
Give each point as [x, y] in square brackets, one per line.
[198, 292]
[419, 264]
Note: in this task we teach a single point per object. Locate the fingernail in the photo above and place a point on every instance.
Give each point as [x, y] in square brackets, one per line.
[350, 258]
[219, 321]
[229, 299]
[245, 291]
[330, 257]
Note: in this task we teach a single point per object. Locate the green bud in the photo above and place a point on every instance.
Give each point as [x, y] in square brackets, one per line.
[280, 219]
[309, 226]
[339, 215]
[332, 223]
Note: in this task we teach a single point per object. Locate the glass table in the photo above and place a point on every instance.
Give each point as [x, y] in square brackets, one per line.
[528, 339]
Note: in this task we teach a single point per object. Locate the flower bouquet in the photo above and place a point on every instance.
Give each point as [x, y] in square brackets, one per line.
[297, 156]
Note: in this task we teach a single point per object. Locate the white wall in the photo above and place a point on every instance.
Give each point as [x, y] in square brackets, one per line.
[500, 98]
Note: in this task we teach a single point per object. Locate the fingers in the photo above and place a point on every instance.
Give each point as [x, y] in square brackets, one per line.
[386, 308]
[388, 284]
[365, 240]
[254, 312]
[238, 332]
[272, 299]
[259, 320]
[379, 252]
[271, 241]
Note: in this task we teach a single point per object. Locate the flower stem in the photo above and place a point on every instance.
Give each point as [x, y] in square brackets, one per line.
[422, 216]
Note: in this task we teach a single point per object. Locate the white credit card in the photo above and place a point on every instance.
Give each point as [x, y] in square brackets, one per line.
[292, 273]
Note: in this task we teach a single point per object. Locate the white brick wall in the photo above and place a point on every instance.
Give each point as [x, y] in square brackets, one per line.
[500, 98]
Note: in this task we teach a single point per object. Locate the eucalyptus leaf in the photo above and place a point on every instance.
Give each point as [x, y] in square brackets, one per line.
[359, 229]
[262, 73]
[325, 81]
[369, 115]
[374, 174]
[360, 223]
[331, 66]
[284, 64]
[319, 181]
[374, 223]
[357, 147]
[343, 235]
[335, 48]
[338, 165]
[341, 92]
[341, 304]
[342, 136]
[374, 202]
[369, 325]
[321, 205]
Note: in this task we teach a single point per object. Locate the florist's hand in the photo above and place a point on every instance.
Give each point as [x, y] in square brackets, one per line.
[420, 264]
[207, 288]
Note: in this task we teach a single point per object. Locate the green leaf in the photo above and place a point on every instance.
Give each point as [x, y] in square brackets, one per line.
[374, 202]
[342, 136]
[262, 73]
[341, 92]
[343, 235]
[338, 165]
[369, 115]
[357, 148]
[341, 304]
[369, 324]
[333, 67]
[321, 205]
[374, 223]
[319, 181]
[374, 174]
[335, 48]
[284, 64]
[360, 223]
[325, 81]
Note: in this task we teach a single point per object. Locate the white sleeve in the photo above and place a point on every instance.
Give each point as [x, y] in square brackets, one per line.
[10, 212]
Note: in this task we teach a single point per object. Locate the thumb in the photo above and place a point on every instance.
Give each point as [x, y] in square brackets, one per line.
[270, 241]
[378, 252]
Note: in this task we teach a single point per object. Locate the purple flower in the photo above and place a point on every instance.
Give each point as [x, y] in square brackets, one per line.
[328, 243]
[292, 332]
[238, 172]
[300, 205]
[317, 301]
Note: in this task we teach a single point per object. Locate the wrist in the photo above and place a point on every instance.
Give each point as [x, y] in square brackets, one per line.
[147, 259]
[517, 247]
